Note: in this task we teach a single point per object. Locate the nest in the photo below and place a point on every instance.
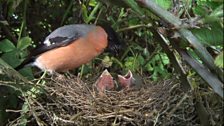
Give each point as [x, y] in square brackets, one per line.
[70, 101]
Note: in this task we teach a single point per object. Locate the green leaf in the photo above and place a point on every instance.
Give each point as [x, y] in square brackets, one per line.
[149, 67]
[200, 10]
[212, 36]
[24, 118]
[122, 13]
[107, 62]
[215, 16]
[23, 54]
[129, 63]
[133, 21]
[155, 75]
[140, 60]
[92, 2]
[164, 58]
[219, 60]
[84, 13]
[156, 66]
[27, 72]
[218, 11]
[11, 58]
[6, 46]
[146, 52]
[165, 4]
[24, 43]
[85, 69]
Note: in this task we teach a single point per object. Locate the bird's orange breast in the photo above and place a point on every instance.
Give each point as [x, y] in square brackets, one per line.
[75, 54]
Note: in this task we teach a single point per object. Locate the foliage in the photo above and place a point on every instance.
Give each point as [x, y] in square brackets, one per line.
[211, 34]
[23, 24]
[219, 60]
[14, 55]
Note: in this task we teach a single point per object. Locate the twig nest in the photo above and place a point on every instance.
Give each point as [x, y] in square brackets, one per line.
[70, 101]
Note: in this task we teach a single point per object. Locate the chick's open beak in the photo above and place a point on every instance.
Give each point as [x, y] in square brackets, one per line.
[105, 82]
[127, 80]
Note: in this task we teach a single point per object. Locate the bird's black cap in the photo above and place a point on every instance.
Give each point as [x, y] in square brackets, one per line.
[114, 43]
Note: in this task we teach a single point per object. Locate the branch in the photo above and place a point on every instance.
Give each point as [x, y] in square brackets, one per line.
[174, 60]
[210, 78]
[8, 70]
[186, 34]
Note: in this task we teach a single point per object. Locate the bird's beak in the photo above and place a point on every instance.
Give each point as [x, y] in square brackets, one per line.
[114, 49]
[127, 80]
[105, 82]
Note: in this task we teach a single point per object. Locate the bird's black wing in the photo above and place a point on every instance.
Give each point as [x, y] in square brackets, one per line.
[63, 36]
[56, 43]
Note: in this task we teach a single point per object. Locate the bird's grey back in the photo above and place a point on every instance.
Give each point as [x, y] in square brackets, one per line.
[70, 31]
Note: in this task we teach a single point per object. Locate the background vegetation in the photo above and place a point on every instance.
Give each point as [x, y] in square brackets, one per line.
[163, 39]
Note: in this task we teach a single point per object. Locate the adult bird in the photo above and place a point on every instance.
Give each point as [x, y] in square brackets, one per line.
[70, 46]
